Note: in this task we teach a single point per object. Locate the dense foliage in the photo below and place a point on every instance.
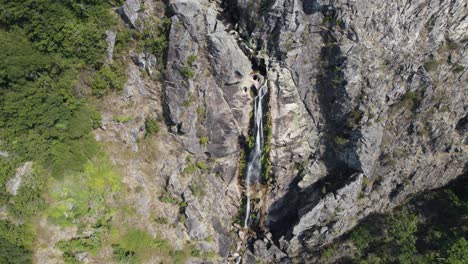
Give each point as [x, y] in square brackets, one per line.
[46, 45]
[432, 228]
[15, 243]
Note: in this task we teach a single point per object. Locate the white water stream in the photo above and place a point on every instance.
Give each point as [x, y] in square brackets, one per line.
[254, 165]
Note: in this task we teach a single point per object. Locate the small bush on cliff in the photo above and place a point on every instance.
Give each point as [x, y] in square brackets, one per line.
[108, 78]
[341, 140]
[431, 65]
[151, 126]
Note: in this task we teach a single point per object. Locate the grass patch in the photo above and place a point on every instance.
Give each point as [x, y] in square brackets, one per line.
[201, 165]
[431, 65]
[190, 169]
[204, 141]
[189, 101]
[187, 70]
[458, 68]
[167, 198]
[122, 118]
[83, 194]
[198, 190]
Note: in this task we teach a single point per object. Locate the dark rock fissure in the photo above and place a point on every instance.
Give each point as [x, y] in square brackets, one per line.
[340, 138]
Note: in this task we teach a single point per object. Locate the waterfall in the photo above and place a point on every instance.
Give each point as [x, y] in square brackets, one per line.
[254, 165]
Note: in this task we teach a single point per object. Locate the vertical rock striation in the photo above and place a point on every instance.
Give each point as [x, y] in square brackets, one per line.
[367, 108]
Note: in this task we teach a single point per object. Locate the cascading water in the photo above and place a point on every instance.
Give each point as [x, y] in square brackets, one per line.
[254, 165]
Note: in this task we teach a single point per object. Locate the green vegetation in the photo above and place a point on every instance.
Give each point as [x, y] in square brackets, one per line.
[197, 189]
[73, 30]
[108, 78]
[161, 220]
[328, 253]
[187, 69]
[204, 141]
[410, 101]
[52, 73]
[189, 100]
[457, 68]
[84, 193]
[201, 165]
[134, 244]
[15, 243]
[156, 37]
[122, 118]
[29, 200]
[354, 119]
[190, 169]
[265, 159]
[122, 255]
[72, 247]
[431, 65]
[151, 126]
[430, 229]
[341, 140]
[168, 198]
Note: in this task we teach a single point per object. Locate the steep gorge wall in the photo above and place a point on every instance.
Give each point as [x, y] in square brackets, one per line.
[366, 103]
[376, 91]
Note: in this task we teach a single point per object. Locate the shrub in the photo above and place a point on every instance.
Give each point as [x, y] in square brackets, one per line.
[151, 126]
[431, 65]
[204, 141]
[123, 255]
[201, 165]
[341, 140]
[458, 252]
[361, 238]
[108, 78]
[197, 190]
[191, 59]
[190, 169]
[328, 253]
[155, 39]
[72, 247]
[187, 71]
[28, 200]
[457, 68]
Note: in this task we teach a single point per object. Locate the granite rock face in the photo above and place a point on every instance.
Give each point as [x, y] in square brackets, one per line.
[366, 107]
[376, 90]
[130, 12]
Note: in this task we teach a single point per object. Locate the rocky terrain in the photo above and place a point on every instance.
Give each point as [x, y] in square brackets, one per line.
[365, 108]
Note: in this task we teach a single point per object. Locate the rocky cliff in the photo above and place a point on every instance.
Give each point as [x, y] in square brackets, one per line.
[366, 108]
